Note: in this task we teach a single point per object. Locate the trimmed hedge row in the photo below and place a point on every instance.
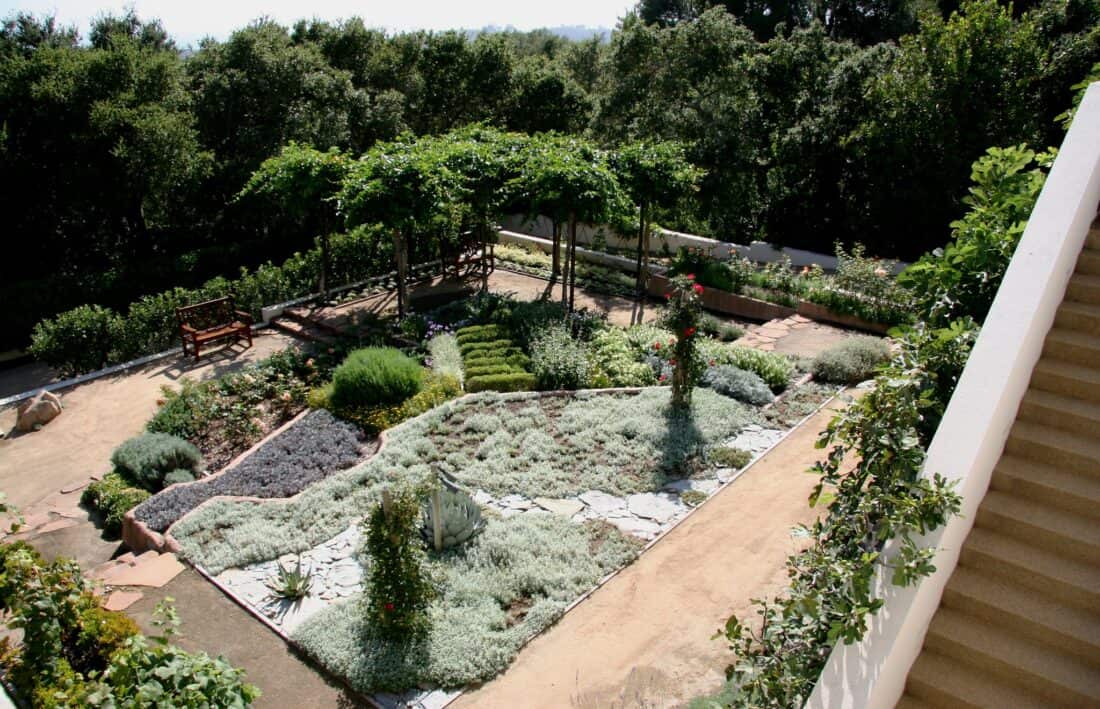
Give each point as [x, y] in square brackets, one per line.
[492, 360]
[89, 337]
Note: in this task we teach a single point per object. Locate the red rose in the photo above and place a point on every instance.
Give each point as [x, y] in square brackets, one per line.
[698, 288]
[668, 296]
[672, 362]
[710, 363]
[389, 606]
[689, 332]
[656, 345]
[691, 276]
[661, 378]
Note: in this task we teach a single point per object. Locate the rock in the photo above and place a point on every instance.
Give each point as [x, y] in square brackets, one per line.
[121, 600]
[38, 410]
[154, 572]
[568, 507]
[643, 528]
[601, 502]
[482, 498]
[659, 506]
[706, 487]
[515, 502]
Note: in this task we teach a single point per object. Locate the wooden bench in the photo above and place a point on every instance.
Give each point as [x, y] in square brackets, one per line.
[213, 320]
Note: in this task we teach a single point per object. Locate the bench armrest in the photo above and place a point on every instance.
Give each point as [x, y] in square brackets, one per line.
[245, 317]
[184, 327]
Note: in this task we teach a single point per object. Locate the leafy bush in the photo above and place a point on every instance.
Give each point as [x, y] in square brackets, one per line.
[399, 588]
[851, 361]
[75, 653]
[375, 376]
[437, 389]
[445, 357]
[470, 348]
[723, 331]
[313, 448]
[517, 381]
[147, 458]
[773, 368]
[178, 476]
[614, 363]
[113, 497]
[480, 333]
[78, 340]
[526, 320]
[558, 361]
[738, 384]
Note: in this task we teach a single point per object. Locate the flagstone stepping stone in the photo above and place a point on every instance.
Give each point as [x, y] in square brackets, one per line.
[644, 528]
[706, 487]
[146, 572]
[601, 502]
[566, 507]
[659, 507]
[121, 600]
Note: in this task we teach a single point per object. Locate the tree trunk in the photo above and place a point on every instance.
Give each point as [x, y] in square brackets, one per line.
[325, 263]
[555, 238]
[572, 259]
[401, 257]
[639, 286]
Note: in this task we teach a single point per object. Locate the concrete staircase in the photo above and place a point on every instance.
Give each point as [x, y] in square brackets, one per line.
[1019, 621]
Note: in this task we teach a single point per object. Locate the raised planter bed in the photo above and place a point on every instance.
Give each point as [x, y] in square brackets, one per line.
[820, 313]
[723, 302]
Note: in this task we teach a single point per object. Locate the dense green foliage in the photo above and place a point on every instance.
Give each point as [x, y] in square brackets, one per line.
[112, 497]
[375, 376]
[559, 361]
[739, 384]
[75, 653]
[126, 154]
[398, 586]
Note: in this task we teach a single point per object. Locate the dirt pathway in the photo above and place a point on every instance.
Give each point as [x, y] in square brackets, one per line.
[644, 639]
[101, 414]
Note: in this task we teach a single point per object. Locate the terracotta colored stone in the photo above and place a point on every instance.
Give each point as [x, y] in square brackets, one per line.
[37, 411]
[56, 525]
[155, 572]
[121, 600]
[74, 486]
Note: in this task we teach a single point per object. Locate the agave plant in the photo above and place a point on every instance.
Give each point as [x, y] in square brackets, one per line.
[291, 584]
[459, 518]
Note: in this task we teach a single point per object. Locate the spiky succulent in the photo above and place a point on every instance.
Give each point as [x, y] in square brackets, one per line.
[460, 517]
[290, 584]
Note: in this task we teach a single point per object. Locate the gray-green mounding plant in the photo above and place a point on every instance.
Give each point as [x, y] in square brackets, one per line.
[459, 514]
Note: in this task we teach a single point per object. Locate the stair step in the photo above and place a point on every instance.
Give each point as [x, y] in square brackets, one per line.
[1065, 378]
[1044, 483]
[1057, 531]
[908, 702]
[1083, 288]
[1092, 241]
[1080, 317]
[1064, 412]
[1008, 605]
[1072, 346]
[1053, 674]
[297, 329]
[1068, 580]
[1089, 262]
[942, 681]
[1062, 449]
[307, 320]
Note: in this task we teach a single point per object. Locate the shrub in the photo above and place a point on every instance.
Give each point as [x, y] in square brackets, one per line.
[615, 363]
[488, 345]
[445, 357]
[375, 419]
[78, 340]
[178, 476]
[399, 588]
[484, 370]
[375, 375]
[851, 361]
[718, 329]
[526, 320]
[729, 457]
[479, 333]
[113, 497]
[147, 458]
[519, 381]
[773, 368]
[558, 361]
[738, 384]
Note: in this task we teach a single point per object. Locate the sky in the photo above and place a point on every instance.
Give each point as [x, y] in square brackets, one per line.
[190, 20]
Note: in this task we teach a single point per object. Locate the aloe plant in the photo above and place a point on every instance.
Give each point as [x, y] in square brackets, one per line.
[459, 519]
[291, 584]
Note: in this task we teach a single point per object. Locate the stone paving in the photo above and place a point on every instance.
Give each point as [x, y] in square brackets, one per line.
[794, 335]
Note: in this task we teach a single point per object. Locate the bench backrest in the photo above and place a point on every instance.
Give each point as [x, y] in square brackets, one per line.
[211, 313]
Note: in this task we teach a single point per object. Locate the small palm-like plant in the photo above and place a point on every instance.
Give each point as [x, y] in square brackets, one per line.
[291, 584]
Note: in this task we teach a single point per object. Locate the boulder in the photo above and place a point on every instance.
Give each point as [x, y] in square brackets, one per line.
[38, 410]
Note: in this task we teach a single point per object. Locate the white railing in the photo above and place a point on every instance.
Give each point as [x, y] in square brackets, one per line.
[972, 435]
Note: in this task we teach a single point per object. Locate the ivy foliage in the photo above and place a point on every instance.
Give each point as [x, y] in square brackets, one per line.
[399, 587]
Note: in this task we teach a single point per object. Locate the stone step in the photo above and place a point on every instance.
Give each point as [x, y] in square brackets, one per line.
[302, 332]
[307, 319]
[908, 702]
[1054, 674]
[1060, 578]
[1092, 241]
[1083, 288]
[1073, 347]
[1089, 262]
[1064, 412]
[1081, 317]
[942, 681]
[1050, 528]
[1065, 378]
[1065, 450]
[1046, 484]
[1006, 604]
